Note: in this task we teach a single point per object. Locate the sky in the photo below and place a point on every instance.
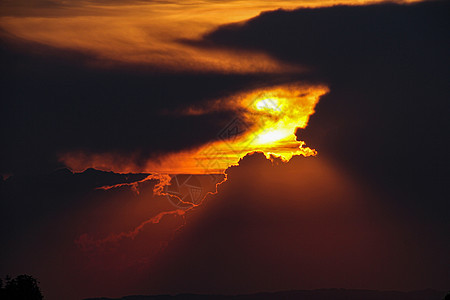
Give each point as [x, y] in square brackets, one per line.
[224, 147]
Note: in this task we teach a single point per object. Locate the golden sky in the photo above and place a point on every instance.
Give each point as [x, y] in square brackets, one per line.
[145, 32]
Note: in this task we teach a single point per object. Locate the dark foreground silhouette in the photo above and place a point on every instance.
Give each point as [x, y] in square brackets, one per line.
[323, 294]
[23, 287]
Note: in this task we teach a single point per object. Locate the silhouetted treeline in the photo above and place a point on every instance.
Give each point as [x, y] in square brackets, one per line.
[23, 287]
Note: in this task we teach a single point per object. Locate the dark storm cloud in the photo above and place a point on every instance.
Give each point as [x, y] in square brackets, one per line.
[387, 66]
[29, 201]
[297, 225]
[53, 101]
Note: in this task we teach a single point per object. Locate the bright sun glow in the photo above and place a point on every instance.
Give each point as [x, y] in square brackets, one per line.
[271, 136]
[266, 120]
[268, 124]
[268, 104]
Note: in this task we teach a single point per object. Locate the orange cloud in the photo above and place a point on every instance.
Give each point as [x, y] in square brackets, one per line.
[266, 120]
[141, 32]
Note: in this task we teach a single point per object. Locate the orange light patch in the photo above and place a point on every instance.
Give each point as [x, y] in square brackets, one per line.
[266, 120]
[268, 123]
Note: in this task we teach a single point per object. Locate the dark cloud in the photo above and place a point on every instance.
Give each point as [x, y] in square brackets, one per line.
[54, 101]
[28, 200]
[387, 66]
[350, 37]
[302, 224]
[43, 217]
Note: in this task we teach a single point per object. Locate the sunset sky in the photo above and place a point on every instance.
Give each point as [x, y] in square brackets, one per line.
[224, 147]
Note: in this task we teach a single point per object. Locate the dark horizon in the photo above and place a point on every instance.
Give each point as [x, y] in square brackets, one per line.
[319, 294]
